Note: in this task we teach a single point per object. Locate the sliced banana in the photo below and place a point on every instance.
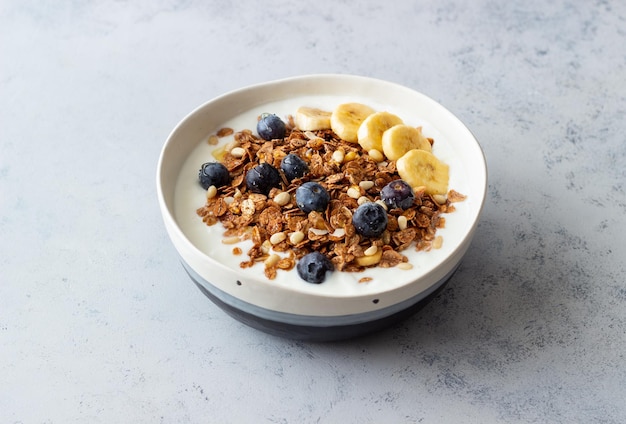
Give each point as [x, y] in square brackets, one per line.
[370, 133]
[399, 139]
[422, 168]
[370, 260]
[346, 119]
[312, 119]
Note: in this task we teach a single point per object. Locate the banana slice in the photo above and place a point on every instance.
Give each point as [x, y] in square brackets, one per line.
[346, 119]
[312, 119]
[370, 260]
[399, 139]
[371, 131]
[422, 168]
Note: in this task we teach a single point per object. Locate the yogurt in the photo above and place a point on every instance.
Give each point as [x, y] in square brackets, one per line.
[189, 196]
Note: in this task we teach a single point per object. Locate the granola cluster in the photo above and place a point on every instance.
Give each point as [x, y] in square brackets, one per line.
[281, 233]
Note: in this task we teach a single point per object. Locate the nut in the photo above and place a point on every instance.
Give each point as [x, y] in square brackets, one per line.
[366, 185]
[282, 198]
[231, 145]
[238, 152]
[371, 250]
[296, 237]
[338, 156]
[272, 260]
[277, 237]
[211, 192]
[231, 240]
[440, 199]
[354, 192]
[318, 232]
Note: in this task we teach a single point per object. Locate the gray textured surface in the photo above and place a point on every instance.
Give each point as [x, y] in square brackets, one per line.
[98, 321]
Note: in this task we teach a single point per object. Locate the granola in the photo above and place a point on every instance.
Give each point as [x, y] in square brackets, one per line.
[281, 233]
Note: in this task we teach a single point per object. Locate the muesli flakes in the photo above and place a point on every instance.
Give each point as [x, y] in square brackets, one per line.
[281, 233]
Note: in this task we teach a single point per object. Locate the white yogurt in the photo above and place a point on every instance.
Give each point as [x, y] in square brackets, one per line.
[189, 196]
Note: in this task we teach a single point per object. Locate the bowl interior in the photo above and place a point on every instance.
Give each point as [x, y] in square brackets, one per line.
[187, 148]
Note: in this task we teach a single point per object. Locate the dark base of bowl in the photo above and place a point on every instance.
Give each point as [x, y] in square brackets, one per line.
[319, 334]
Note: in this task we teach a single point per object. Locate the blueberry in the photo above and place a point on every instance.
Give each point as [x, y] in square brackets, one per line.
[270, 127]
[312, 267]
[262, 178]
[293, 166]
[370, 219]
[311, 196]
[213, 174]
[397, 194]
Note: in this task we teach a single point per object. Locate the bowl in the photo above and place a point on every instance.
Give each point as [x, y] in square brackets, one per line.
[346, 304]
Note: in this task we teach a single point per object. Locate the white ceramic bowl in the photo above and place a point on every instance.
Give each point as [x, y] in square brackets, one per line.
[340, 307]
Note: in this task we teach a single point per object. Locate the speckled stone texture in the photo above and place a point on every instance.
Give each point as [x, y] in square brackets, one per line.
[99, 322]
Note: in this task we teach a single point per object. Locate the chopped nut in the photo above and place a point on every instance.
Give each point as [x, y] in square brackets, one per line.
[318, 232]
[404, 266]
[371, 250]
[282, 198]
[437, 242]
[338, 156]
[362, 199]
[272, 260]
[266, 246]
[231, 240]
[402, 222]
[230, 146]
[296, 237]
[439, 198]
[354, 192]
[366, 185]
[277, 237]
[238, 152]
[311, 135]
[211, 192]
